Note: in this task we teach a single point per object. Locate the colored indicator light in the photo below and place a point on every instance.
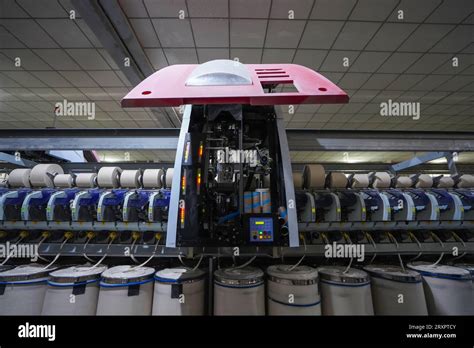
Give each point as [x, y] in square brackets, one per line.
[259, 223]
[261, 237]
[260, 232]
[201, 148]
[183, 184]
[186, 152]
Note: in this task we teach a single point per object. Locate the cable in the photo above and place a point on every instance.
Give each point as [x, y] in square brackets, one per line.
[246, 263]
[105, 255]
[370, 239]
[84, 249]
[413, 237]
[131, 251]
[394, 240]
[304, 255]
[346, 237]
[66, 238]
[442, 245]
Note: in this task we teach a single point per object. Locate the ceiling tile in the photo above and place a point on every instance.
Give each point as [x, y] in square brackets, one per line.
[379, 81]
[284, 33]
[332, 9]
[156, 57]
[181, 55]
[133, 8]
[43, 9]
[369, 61]
[281, 8]
[355, 35]
[246, 56]
[240, 8]
[106, 79]
[428, 63]
[144, 31]
[390, 36]
[372, 10]
[29, 60]
[51, 78]
[247, 32]
[29, 33]
[174, 32]
[320, 34]
[353, 80]
[414, 11]
[399, 62]
[310, 58]
[88, 59]
[452, 11]
[211, 32]
[65, 32]
[207, 54]
[275, 56]
[24, 78]
[165, 8]
[405, 82]
[335, 59]
[78, 78]
[430, 82]
[58, 59]
[456, 40]
[7, 40]
[208, 8]
[424, 37]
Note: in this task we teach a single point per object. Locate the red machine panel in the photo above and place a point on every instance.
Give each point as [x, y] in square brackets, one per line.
[228, 82]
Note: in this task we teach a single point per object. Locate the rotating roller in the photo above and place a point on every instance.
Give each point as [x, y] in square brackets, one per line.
[424, 181]
[445, 182]
[298, 181]
[403, 182]
[19, 178]
[130, 179]
[168, 178]
[314, 176]
[42, 175]
[64, 180]
[109, 177]
[466, 181]
[152, 178]
[86, 180]
[337, 180]
[360, 181]
[381, 180]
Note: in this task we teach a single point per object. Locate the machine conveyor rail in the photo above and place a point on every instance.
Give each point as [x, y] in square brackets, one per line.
[385, 226]
[117, 250]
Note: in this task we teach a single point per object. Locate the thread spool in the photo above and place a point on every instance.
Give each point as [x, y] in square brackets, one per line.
[337, 180]
[466, 181]
[42, 175]
[168, 178]
[446, 182]
[19, 177]
[109, 177]
[63, 180]
[314, 176]
[360, 181]
[382, 180]
[86, 180]
[298, 180]
[152, 178]
[424, 181]
[130, 179]
[388, 283]
[247, 202]
[403, 182]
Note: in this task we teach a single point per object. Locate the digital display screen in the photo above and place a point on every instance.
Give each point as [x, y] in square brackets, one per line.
[261, 229]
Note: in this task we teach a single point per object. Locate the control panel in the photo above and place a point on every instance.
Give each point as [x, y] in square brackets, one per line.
[261, 228]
